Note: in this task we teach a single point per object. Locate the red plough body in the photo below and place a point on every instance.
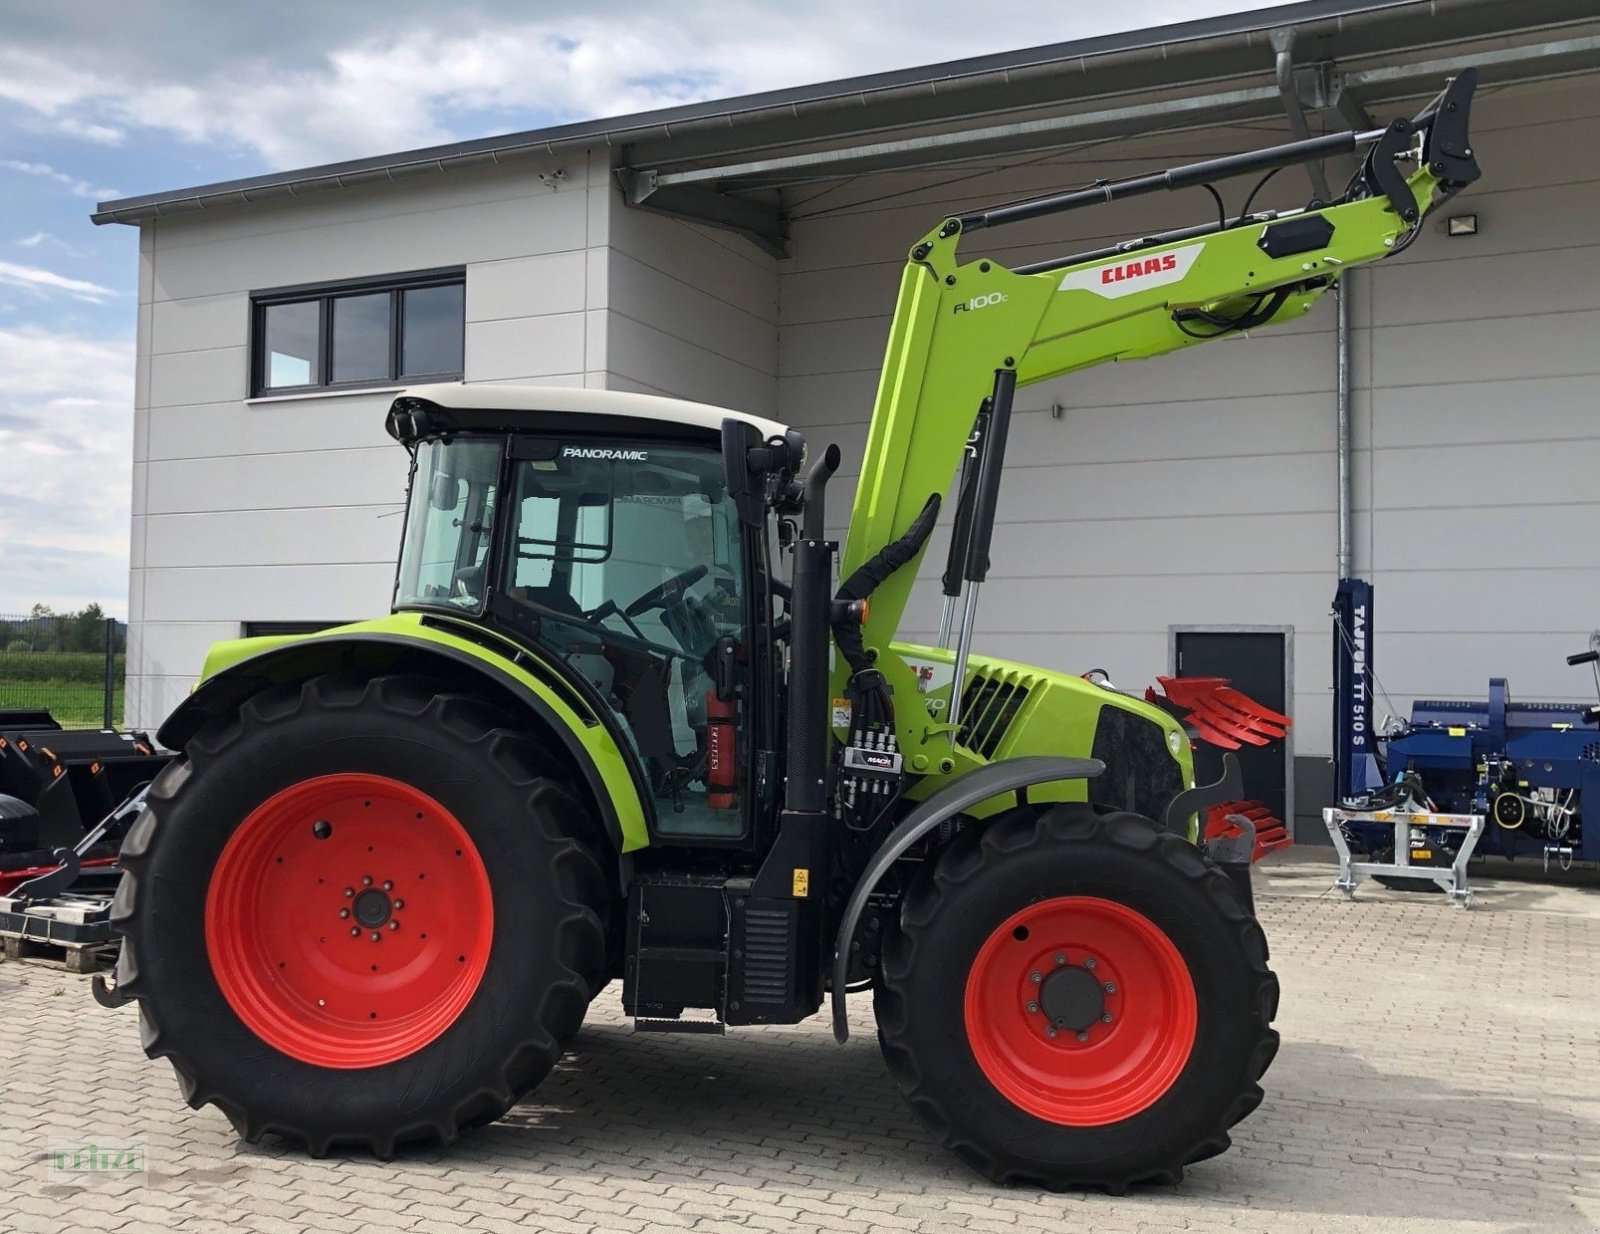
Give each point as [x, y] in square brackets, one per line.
[1223, 717]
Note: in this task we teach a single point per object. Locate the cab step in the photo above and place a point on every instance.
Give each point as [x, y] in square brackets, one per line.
[714, 1027]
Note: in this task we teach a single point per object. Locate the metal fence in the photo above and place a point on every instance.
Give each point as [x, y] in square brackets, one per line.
[69, 664]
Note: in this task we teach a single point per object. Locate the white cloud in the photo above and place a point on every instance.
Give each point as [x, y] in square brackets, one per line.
[66, 435]
[41, 238]
[100, 134]
[73, 185]
[299, 82]
[34, 279]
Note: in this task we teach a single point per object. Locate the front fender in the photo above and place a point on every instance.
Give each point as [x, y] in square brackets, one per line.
[1013, 775]
[411, 642]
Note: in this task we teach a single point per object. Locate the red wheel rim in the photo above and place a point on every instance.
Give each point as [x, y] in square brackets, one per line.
[1080, 1011]
[349, 920]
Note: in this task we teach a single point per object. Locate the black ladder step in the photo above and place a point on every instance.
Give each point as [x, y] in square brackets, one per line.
[715, 1027]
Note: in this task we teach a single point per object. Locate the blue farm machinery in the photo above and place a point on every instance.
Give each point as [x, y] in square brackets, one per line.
[1490, 775]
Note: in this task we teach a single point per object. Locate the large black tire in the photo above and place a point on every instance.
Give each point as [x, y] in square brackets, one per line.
[1019, 863]
[544, 958]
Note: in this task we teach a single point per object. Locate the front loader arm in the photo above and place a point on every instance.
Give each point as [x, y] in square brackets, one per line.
[965, 333]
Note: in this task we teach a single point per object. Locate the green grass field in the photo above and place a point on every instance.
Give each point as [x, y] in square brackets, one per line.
[71, 685]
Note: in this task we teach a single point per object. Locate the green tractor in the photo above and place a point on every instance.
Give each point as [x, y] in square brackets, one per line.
[621, 724]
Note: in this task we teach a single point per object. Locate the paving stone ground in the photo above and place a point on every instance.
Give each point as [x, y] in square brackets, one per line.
[1440, 1070]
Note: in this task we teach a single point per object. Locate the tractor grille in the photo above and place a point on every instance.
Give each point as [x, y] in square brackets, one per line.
[1591, 752]
[988, 705]
[1141, 775]
[766, 956]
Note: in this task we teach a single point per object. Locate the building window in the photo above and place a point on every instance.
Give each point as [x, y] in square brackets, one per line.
[371, 332]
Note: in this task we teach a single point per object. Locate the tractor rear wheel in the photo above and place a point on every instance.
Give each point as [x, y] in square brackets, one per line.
[1077, 999]
[360, 913]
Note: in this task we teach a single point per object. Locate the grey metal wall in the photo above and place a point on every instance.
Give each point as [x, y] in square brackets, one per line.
[693, 313]
[1200, 488]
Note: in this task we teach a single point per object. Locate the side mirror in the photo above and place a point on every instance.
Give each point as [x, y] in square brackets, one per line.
[444, 492]
[738, 439]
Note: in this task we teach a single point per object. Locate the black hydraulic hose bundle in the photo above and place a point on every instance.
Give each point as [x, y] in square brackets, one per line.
[869, 694]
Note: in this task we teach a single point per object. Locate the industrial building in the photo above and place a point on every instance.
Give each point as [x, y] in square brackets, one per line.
[1433, 429]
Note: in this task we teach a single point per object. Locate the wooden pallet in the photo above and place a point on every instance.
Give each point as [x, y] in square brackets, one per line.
[72, 931]
[74, 957]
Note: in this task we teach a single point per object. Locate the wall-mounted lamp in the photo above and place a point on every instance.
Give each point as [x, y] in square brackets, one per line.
[1461, 225]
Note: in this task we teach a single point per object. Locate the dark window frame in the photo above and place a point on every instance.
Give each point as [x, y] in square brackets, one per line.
[323, 295]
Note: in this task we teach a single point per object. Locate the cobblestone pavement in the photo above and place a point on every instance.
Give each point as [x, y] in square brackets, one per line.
[1440, 1070]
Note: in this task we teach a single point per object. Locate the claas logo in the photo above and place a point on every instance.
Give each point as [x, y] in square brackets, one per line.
[1138, 269]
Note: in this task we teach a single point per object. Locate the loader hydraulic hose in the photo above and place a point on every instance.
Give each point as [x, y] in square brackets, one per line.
[872, 702]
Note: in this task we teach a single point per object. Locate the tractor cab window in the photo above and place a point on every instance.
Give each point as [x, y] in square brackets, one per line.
[626, 563]
[449, 523]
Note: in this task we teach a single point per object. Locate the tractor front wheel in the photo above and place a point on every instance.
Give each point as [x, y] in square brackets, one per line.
[361, 913]
[1077, 999]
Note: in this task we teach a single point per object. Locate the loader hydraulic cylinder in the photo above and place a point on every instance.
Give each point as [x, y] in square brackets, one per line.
[1187, 176]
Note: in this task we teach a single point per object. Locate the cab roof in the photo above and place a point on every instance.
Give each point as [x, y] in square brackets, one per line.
[462, 396]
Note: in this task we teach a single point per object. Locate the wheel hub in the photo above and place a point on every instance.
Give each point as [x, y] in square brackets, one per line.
[372, 908]
[1072, 999]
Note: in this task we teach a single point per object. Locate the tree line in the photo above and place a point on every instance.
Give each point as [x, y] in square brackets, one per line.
[44, 630]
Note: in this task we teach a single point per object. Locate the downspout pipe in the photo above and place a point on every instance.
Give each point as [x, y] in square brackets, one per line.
[1344, 347]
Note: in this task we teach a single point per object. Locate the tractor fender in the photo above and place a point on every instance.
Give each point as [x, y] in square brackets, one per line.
[1014, 775]
[612, 776]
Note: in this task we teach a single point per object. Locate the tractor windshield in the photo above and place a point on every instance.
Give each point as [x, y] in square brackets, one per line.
[449, 522]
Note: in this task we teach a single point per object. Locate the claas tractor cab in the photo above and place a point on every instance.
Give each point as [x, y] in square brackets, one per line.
[633, 719]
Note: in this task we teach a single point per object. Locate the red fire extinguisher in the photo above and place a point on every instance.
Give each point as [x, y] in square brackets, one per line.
[722, 755]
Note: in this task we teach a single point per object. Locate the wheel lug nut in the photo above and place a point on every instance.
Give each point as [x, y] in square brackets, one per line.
[399, 903]
[388, 886]
[344, 912]
[1051, 1031]
[1060, 959]
[367, 881]
[1106, 1019]
[1111, 987]
[355, 931]
[376, 937]
[1083, 1036]
[1036, 978]
[1033, 1008]
[394, 925]
[322, 1002]
[322, 829]
[1090, 962]
[348, 892]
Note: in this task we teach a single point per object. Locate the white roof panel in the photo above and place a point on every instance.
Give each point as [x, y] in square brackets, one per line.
[464, 396]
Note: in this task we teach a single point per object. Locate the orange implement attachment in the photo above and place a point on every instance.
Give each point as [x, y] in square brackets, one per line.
[1271, 834]
[1220, 714]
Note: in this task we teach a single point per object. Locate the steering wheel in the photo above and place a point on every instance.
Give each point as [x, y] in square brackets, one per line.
[667, 591]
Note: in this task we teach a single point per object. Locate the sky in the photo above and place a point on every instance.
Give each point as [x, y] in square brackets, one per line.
[102, 99]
